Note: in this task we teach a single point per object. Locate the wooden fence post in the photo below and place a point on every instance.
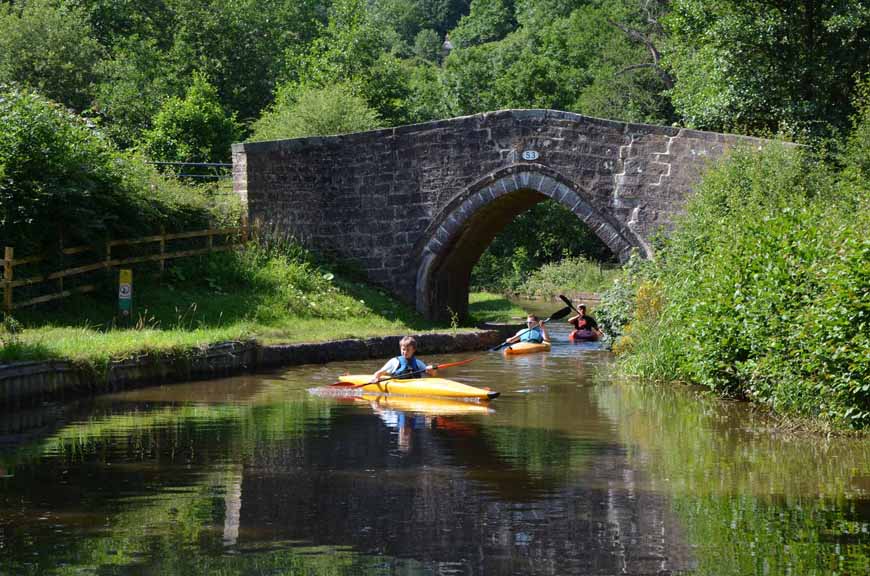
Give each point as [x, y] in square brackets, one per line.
[8, 256]
[108, 260]
[162, 250]
[62, 261]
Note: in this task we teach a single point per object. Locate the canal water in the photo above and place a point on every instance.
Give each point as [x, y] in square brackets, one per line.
[570, 471]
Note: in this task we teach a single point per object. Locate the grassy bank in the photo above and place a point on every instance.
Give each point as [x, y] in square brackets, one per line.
[272, 295]
[488, 307]
[569, 275]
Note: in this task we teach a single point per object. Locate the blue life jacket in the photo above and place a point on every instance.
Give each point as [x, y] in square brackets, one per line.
[408, 369]
[532, 335]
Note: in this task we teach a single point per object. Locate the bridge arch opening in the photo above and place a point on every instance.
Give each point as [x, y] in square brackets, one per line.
[467, 225]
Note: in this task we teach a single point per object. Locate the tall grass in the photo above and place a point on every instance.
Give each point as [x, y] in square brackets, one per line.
[574, 274]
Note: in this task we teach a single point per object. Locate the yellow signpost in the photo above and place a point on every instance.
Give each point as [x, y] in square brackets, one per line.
[125, 292]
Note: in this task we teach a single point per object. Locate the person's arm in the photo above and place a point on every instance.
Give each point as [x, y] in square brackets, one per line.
[593, 325]
[388, 368]
[544, 334]
[430, 370]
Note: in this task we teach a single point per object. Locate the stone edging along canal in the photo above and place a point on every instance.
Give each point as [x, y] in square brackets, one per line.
[30, 382]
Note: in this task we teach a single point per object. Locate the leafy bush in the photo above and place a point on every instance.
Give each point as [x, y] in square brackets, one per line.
[284, 281]
[766, 289]
[49, 47]
[192, 129]
[315, 111]
[57, 170]
[575, 274]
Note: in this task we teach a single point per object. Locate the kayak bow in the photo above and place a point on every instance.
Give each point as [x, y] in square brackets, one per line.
[526, 348]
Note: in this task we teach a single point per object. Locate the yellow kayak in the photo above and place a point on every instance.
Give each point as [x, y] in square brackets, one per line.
[423, 405]
[526, 348]
[418, 387]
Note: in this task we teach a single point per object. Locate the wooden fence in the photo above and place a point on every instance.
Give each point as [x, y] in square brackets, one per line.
[232, 236]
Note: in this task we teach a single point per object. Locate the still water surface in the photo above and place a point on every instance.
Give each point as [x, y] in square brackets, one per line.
[569, 472]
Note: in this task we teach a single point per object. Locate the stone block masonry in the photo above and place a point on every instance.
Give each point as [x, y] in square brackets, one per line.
[415, 206]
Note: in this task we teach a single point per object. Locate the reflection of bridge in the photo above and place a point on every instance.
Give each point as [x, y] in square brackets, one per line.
[349, 486]
[415, 206]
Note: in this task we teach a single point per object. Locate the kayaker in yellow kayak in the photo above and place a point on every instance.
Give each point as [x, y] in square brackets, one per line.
[536, 331]
[406, 365]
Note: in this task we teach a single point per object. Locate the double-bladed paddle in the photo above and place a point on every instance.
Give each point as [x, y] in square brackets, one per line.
[561, 313]
[567, 301]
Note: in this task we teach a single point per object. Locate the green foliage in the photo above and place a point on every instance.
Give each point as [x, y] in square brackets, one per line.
[429, 97]
[312, 111]
[766, 289]
[856, 157]
[766, 65]
[241, 45]
[487, 21]
[427, 45]
[134, 84]
[59, 171]
[48, 46]
[192, 129]
[572, 274]
[546, 233]
[570, 59]
[285, 278]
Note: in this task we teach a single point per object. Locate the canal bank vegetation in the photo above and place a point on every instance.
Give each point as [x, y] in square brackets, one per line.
[271, 293]
[542, 253]
[61, 178]
[762, 291]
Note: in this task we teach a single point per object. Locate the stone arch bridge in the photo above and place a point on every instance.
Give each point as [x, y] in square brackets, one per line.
[415, 206]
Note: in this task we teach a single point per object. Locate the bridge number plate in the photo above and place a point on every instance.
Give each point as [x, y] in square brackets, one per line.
[530, 155]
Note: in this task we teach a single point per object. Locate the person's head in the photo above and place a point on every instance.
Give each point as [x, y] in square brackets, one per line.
[581, 309]
[408, 346]
[532, 321]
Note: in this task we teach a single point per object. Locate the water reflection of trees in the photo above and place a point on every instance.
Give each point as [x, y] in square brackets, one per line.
[456, 497]
[754, 500]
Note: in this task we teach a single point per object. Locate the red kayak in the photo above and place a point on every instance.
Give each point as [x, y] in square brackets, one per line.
[583, 336]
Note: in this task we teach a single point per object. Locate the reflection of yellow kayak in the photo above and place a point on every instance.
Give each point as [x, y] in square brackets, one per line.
[422, 405]
[526, 348]
[419, 387]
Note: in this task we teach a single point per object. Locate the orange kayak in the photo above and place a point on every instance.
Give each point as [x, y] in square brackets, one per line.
[526, 348]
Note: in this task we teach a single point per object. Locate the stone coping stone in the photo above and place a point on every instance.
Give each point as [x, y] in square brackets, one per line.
[28, 383]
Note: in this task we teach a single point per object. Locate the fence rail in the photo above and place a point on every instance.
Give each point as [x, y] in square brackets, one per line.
[234, 236]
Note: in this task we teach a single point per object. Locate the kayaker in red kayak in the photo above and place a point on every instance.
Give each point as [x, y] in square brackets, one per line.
[585, 326]
[406, 365]
[536, 332]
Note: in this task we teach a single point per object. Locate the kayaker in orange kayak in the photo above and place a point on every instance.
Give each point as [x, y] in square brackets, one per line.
[406, 365]
[585, 326]
[535, 332]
